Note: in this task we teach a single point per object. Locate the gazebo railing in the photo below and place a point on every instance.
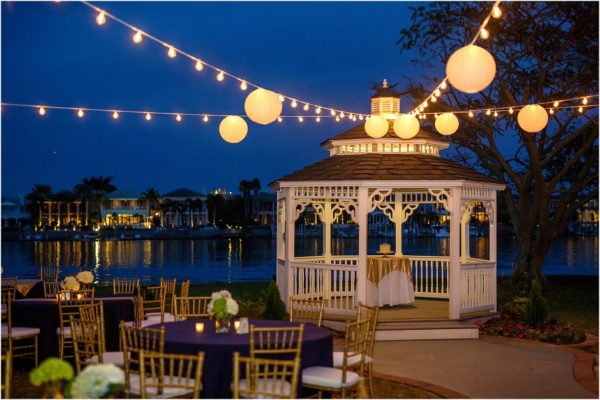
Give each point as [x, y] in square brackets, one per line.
[478, 286]
[430, 276]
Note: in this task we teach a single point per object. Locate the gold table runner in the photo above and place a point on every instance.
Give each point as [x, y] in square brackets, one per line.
[378, 267]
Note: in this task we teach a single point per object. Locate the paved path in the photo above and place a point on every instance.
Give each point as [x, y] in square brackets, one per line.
[483, 368]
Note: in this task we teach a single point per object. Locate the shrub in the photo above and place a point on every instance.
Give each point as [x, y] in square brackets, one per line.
[515, 308]
[274, 306]
[536, 311]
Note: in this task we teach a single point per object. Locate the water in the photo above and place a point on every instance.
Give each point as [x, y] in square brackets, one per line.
[240, 260]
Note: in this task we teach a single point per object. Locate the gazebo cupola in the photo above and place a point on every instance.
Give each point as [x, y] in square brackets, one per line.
[386, 101]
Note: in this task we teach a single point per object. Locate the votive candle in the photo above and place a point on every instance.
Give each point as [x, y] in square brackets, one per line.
[199, 327]
[79, 296]
[236, 324]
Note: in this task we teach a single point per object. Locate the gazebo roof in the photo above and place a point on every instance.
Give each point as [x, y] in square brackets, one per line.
[358, 132]
[386, 167]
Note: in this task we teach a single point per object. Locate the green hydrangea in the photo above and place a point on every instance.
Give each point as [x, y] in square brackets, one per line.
[51, 370]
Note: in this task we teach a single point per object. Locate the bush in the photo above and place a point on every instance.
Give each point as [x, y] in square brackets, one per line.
[515, 309]
[536, 311]
[274, 306]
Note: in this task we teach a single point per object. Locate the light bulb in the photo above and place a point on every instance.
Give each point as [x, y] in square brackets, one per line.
[279, 119]
[80, 113]
[148, 116]
[584, 101]
[332, 112]
[510, 110]
[421, 109]
[424, 116]
[425, 104]
[551, 111]
[294, 104]
[42, 111]
[484, 34]
[361, 117]
[318, 110]
[352, 117]
[433, 99]
[444, 85]
[435, 116]
[337, 119]
[342, 115]
[178, 118]
[580, 109]
[199, 66]
[471, 114]
[318, 119]
[138, 37]
[172, 53]
[101, 18]
[437, 93]
[488, 112]
[495, 114]
[496, 12]
[243, 85]
[300, 119]
[220, 76]
[555, 104]
[205, 119]
[281, 98]
[305, 108]
[115, 115]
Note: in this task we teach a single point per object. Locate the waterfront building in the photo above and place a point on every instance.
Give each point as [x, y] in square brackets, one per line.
[125, 208]
[183, 208]
[264, 208]
[14, 212]
[63, 211]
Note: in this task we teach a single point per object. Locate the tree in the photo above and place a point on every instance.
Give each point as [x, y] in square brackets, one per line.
[245, 189]
[93, 192]
[543, 51]
[36, 198]
[215, 204]
[151, 197]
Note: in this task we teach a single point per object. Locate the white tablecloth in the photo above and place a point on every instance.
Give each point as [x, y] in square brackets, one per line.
[394, 287]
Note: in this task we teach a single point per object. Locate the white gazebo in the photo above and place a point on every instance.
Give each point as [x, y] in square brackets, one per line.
[393, 175]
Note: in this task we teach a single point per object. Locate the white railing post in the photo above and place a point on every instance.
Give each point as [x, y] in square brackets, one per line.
[290, 233]
[454, 267]
[493, 251]
[363, 235]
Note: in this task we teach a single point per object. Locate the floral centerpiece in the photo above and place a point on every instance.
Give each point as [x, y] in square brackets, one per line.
[223, 307]
[71, 284]
[86, 278]
[53, 374]
[98, 381]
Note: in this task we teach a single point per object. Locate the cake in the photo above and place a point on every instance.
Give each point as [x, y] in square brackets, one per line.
[385, 248]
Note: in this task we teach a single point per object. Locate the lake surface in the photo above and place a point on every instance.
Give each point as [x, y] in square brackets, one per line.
[239, 260]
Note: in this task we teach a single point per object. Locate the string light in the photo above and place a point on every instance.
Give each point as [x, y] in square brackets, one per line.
[496, 11]
[318, 119]
[115, 115]
[332, 112]
[361, 117]
[437, 93]
[178, 118]
[484, 34]
[148, 116]
[433, 99]
[584, 101]
[444, 85]
[471, 114]
[101, 18]
[337, 119]
[138, 37]
[279, 119]
[205, 119]
[342, 115]
[488, 112]
[495, 114]
[281, 98]
[294, 104]
[300, 119]
[305, 108]
[221, 76]
[80, 113]
[551, 111]
[243, 85]
[318, 110]
[42, 111]
[555, 104]
[199, 66]
[510, 111]
[580, 109]
[172, 53]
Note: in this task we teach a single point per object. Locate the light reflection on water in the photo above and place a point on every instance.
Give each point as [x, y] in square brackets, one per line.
[235, 260]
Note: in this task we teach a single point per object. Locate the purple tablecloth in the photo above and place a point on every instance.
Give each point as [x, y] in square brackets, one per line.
[181, 338]
[43, 314]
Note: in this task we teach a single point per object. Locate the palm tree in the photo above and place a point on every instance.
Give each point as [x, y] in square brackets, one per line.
[93, 191]
[167, 206]
[214, 204]
[151, 197]
[38, 195]
[245, 189]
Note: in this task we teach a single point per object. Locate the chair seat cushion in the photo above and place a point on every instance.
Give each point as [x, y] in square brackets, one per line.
[109, 357]
[20, 332]
[276, 387]
[156, 317]
[168, 392]
[328, 377]
[338, 359]
[65, 332]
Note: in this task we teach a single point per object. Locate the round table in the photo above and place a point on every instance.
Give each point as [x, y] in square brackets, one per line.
[43, 314]
[181, 338]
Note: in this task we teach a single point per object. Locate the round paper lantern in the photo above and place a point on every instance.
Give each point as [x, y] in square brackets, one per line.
[377, 126]
[532, 118]
[233, 129]
[406, 126]
[446, 124]
[263, 106]
[471, 69]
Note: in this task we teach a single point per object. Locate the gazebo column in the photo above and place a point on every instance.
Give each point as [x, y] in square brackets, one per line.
[454, 278]
[464, 233]
[397, 215]
[327, 221]
[363, 236]
[492, 215]
[289, 236]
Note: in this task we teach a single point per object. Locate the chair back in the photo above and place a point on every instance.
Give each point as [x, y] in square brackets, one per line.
[69, 304]
[86, 341]
[8, 295]
[10, 282]
[95, 313]
[51, 288]
[275, 341]
[151, 300]
[170, 285]
[355, 346]
[191, 307]
[306, 311]
[49, 272]
[371, 314]
[7, 361]
[265, 378]
[126, 286]
[135, 339]
[185, 288]
[170, 375]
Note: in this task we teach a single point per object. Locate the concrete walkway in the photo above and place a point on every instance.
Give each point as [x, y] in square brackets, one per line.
[483, 368]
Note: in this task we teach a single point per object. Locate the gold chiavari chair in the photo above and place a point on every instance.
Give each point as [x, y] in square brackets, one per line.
[170, 375]
[126, 286]
[7, 375]
[95, 313]
[10, 282]
[68, 305]
[170, 285]
[265, 378]
[191, 307]
[133, 340]
[185, 289]
[341, 380]
[49, 273]
[20, 341]
[306, 311]
[265, 342]
[151, 306]
[51, 288]
[86, 341]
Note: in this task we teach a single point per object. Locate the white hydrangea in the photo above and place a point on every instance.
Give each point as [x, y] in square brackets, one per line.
[85, 277]
[225, 293]
[232, 306]
[70, 283]
[95, 380]
[215, 295]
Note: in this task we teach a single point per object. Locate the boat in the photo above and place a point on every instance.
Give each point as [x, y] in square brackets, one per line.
[440, 231]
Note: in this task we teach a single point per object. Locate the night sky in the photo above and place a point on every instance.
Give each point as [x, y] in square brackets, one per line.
[54, 53]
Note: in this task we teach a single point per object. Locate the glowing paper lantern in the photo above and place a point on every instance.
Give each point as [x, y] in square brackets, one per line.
[532, 118]
[263, 106]
[377, 126]
[406, 126]
[233, 129]
[471, 69]
[446, 124]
